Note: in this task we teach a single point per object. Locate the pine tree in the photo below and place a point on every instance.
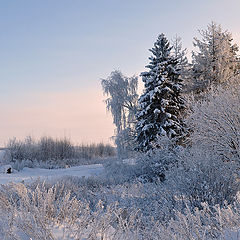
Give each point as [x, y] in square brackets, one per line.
[161, 105]
[216, 62]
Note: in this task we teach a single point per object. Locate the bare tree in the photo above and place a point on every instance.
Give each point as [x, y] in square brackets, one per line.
[216, 61]
[216, 123]
[121, 101]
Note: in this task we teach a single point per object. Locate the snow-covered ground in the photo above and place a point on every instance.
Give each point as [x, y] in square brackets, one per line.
[31, 174]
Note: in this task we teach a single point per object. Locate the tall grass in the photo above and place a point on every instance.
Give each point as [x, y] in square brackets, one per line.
[69, 210]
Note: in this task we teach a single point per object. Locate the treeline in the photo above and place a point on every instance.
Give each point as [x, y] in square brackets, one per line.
[48, 148]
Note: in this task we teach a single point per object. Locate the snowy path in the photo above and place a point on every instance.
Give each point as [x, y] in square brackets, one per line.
[31, 174]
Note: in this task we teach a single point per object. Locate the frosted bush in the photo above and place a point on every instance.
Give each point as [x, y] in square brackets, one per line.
[46, 211]
[203, 177]
[53, 153]
[215, 123]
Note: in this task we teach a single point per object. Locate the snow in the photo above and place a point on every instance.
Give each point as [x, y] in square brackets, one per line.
[164, 102]
[232, 235]
[6, 169]
[31, 174]
[156, 111]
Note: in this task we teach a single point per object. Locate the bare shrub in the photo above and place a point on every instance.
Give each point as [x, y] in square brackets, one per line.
[49, 152]
[39, 210]
[215, 122]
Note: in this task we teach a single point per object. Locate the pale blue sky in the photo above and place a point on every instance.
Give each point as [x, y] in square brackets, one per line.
[54, 52]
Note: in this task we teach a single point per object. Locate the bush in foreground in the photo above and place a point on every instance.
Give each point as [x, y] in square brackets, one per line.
[43, 211]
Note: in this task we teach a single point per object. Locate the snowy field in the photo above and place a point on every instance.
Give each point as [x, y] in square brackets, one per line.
[30, 174]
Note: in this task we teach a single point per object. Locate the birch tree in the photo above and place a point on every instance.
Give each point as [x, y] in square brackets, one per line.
[121, 101]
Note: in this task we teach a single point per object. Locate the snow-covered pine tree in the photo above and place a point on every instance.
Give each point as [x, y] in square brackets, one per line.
[217, 61]
[161, 105]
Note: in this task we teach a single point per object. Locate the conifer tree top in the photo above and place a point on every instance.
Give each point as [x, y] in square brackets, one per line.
[161, 51]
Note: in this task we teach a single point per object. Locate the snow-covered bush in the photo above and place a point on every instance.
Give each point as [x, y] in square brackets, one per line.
[59, 211]
[153, 165]
[46, 148]
[119, 171]
[202, 176]
[53, 153]
[215, 123]
[126, 139]
[93, 151]
[150, 167]
[208, 223]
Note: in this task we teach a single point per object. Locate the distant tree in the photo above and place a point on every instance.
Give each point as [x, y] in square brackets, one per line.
[122, 103]
[161, 105]
[180, 54]
[216, 62]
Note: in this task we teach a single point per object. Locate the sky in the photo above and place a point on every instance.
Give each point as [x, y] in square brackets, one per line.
[54, 53]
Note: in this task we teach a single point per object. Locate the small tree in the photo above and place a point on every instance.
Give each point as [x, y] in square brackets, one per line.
[122, 103]
[216, 61]
[161, 105]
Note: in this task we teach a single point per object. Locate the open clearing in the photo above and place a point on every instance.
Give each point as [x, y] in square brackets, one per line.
[31, 174]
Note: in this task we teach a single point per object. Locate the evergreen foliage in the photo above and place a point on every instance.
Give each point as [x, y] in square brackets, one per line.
[161, 105]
